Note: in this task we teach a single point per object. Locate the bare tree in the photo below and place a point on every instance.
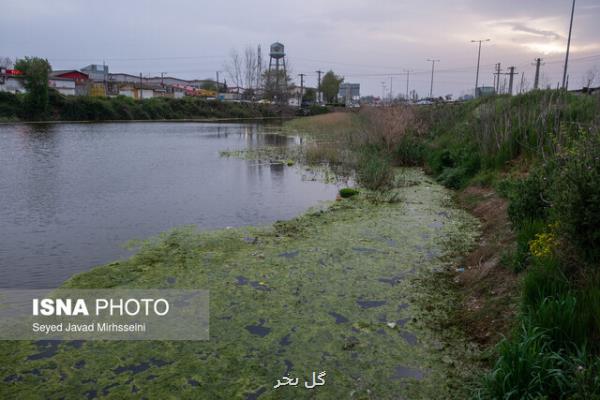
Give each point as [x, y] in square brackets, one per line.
[234, 68]
[589, 78]
[250, 67]
[6, 62]
[245, 69]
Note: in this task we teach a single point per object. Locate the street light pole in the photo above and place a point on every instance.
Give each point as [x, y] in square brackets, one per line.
[564, 83]
[478, 59]
[432, 61]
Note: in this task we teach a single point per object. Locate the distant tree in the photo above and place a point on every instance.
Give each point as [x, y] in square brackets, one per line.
[234, 68]
[590, 76]
[244, 69]
[251, 68]
[36, 71]
[275, 84]
[310, 95]
[330, 86]
[208, 84]
[414, 96]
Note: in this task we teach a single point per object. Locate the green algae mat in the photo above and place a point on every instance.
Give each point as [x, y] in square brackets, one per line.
[336, 290]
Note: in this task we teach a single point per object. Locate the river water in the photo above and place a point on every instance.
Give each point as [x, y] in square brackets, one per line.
[72, 194]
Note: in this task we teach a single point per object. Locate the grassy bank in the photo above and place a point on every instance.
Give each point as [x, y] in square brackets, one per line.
[81, 108]
[339, 289]
[540, 151]
[529, 167]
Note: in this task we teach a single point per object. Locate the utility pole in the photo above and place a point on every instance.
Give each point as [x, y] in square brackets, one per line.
[536, 82]
[511, 74]
[497, 77]
[391, 89]
[301, 88]
[319, 97]
[382, 92]
[162, 75]
[141, 88]
[217, 85]
[407, 79]
[478, 59]
[522, 82]
[258, 68]
[564, 83]
[432, 61]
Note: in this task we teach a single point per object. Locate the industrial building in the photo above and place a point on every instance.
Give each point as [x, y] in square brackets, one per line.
[95, 80]
[349, 93]
[11, 81]
[64, 86]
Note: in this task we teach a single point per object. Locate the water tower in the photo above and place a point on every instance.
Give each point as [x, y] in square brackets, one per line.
[277, 77]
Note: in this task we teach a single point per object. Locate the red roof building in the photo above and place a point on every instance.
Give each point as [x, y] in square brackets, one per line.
[78, 76]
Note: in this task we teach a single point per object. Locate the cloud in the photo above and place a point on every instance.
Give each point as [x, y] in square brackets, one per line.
[192, 38]
[521, 27]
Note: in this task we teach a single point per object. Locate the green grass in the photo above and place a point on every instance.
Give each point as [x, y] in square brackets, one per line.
[555, 137]
[487, 134]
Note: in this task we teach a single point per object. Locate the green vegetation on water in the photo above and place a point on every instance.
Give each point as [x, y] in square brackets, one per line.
[339, 289]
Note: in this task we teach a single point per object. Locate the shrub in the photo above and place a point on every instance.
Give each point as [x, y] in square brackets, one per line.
[454, 164]
[348, 192]
[529, 198]
[374, 169]
[519, 258]
[9, 105]
[576, 195]
[409, 151]
[390, 127]
[316, 109]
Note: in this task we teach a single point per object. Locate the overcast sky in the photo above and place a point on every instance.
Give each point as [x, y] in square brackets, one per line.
[364, 40]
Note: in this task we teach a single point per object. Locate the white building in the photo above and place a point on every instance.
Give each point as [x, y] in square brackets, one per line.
[136, 93]
[349, 93]
[64, 86]
[11, 83]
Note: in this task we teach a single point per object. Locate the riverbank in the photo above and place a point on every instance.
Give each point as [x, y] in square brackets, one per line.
[207, 120]
[120, 108]
[338, 289]
[528, 167]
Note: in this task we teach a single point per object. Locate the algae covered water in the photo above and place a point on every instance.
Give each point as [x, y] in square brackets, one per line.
[72, 194]
[340, 290]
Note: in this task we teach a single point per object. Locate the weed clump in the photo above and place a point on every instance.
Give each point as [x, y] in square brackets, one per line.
[348, 192]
